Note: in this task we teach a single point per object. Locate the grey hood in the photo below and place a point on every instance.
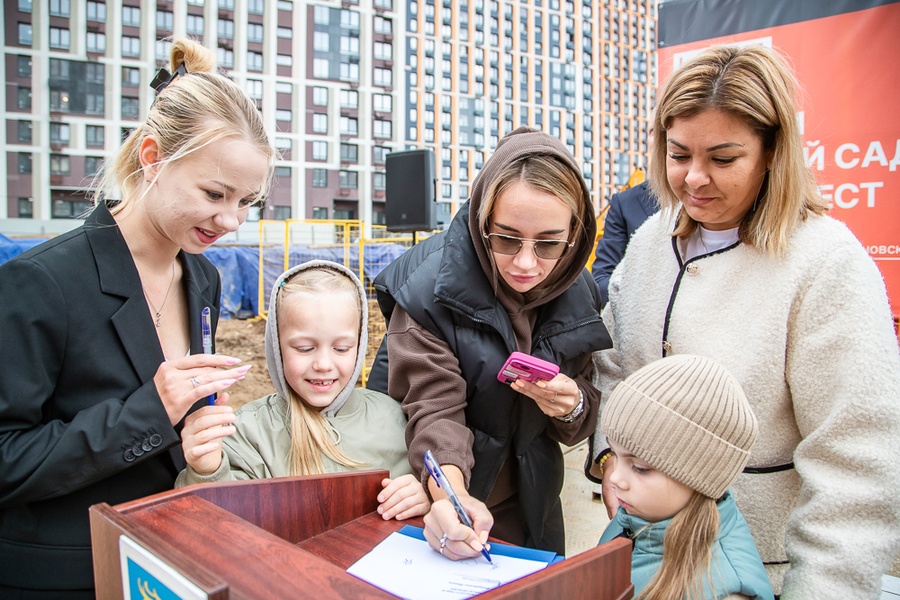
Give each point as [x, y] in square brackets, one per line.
[273, 346]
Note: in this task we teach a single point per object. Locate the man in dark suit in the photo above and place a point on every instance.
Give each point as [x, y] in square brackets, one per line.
[627, 211]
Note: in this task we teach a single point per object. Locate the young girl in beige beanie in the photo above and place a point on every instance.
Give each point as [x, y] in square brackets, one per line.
[681, 430]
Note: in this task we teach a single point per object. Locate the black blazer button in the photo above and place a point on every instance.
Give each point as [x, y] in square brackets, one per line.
[137, 450]
[129, 455]
[146, 446]
[155, 440]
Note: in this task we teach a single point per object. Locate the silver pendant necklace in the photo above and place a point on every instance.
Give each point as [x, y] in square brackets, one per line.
[163, 305]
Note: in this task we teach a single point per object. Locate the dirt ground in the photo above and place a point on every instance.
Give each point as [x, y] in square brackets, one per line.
[244, 339]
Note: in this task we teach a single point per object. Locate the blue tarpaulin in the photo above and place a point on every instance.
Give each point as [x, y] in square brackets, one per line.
[239, 267]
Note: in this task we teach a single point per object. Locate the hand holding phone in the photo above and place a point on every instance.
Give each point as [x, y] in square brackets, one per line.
[524, 366]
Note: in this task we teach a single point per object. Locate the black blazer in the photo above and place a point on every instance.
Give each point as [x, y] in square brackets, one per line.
[80, 418]
[627, 211]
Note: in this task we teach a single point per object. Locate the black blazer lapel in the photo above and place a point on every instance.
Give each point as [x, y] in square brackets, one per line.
[119, 277]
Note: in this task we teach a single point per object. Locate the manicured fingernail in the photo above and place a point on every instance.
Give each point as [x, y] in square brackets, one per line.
[226, 383]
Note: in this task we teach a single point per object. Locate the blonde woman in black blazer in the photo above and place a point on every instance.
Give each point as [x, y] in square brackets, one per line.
[101, 352]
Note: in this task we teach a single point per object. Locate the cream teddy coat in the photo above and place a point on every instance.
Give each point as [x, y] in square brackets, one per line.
[811, 339]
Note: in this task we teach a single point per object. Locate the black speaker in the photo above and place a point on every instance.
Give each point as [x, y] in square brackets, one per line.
[409, 203]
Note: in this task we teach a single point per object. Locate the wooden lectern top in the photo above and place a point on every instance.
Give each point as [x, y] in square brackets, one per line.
[295, 537]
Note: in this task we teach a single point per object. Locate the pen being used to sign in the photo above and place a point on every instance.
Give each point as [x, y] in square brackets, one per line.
[442, 482]
[206, 334]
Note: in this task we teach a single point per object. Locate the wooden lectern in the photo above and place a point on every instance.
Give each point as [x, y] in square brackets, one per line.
[295, 537]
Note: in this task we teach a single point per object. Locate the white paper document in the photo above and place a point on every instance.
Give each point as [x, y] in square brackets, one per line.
[407, 567]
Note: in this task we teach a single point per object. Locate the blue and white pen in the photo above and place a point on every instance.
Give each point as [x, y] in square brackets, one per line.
[442, 482]
[206, 334]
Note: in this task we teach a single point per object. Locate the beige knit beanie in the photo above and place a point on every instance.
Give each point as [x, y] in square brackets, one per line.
[687, 417]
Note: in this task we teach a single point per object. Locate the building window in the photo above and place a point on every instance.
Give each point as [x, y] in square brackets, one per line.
[26, 208]
[96, 11]
[383, 103]
[226, 4]
[349, 153]
[282, 213]
[59, 164]
[95, 135]
[382, 129]
[320, 96]
[23, 66]
[163, 48]
[284, 33]
[284, 60]
[255, 7]
[380, 154]
[131, 76]
[319, 178]
[131, 16]
[254, 88]
[25, 6]
[383, 77]
[320, 123]
[92, 165]
[384, 51]
[96, 42]
[130, 107]
[283, 172]
[321, 41]
[343, 214]
[165, 21]
[349, 45]
[320, 150]
[24, 163]
[59, 38]
[320, 68]
[94, 104]
[254, 32]
[283, 114]
[383, 25]
[194, 24]
[350, 20]
[131, 46]
[254, 61]
[60, 8]
[348, 179]
[59, 133]
[349, 99]
[320, 212]
[349, 126]
[225, 57]
[226, 28]
[59, 101]
[349, 71]
[69, 209]
[379, 180]
[24, 132]
[25, 34]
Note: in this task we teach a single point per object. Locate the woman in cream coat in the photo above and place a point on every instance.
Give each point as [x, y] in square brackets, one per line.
[742, 265]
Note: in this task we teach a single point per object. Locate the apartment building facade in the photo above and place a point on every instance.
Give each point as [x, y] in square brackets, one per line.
[339, 85]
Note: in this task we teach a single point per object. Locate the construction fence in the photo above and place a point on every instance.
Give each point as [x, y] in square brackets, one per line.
[249, 272]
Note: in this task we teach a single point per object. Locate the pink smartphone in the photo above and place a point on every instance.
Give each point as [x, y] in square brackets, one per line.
[527, 367]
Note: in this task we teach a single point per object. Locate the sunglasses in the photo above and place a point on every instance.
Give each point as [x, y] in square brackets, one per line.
[510, 245]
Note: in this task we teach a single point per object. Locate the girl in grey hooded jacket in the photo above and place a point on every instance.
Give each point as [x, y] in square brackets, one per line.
[317, 421]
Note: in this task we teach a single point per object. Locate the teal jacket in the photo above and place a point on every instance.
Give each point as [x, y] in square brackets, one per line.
[736, 567]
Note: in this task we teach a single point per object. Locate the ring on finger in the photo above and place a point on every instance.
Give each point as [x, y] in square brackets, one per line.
[443, 543]
[553, 399]
[195, 382]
